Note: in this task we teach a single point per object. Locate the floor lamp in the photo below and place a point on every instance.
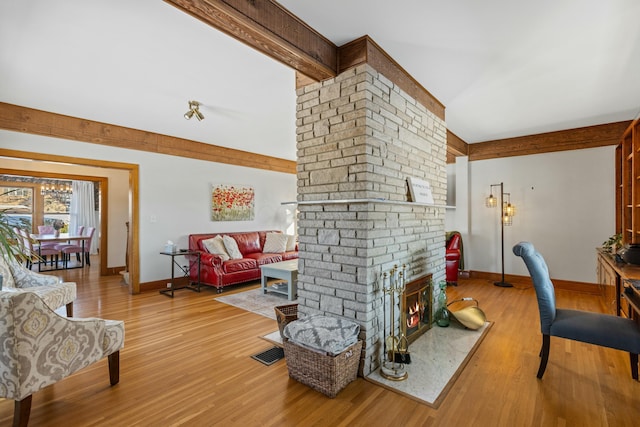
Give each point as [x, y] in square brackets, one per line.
[506, 218]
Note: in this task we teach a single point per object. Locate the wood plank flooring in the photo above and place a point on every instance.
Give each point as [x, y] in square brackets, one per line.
[186, 362]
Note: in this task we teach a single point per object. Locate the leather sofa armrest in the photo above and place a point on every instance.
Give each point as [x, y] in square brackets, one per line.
[452, 254]
[210, 259]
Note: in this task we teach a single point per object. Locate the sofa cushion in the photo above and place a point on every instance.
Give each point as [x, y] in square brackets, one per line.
[290, 255]
[231, 246]
[275, 243]
[248, 242]
[236, 265]
[216, 246]
[291, 243]
[263, 259]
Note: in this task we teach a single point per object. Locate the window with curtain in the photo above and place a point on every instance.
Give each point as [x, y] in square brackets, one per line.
[82, 210]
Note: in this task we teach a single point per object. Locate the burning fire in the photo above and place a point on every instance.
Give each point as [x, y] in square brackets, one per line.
[413, 318]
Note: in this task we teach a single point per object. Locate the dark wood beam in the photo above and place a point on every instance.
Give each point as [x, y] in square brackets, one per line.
[570, 139]
[28, 120]
[365, 50]
[455, 145]
[271, 29]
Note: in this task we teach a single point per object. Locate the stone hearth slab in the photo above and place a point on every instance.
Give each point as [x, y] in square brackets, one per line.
[437, 359]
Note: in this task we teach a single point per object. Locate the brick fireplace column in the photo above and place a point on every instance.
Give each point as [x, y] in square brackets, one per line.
[359, 137]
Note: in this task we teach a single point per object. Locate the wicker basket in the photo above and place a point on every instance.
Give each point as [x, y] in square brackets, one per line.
[324, 373]
[286, 314]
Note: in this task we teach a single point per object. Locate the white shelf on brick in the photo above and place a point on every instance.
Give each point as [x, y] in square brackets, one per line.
[346, 201]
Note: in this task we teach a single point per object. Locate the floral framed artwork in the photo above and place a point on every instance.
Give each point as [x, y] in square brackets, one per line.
[232, 203]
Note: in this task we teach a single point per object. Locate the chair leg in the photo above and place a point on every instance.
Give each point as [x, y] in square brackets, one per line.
[88, 258]
[70, 309]
[114, 367]
[21, 412]
[634, 365]
[544, 355]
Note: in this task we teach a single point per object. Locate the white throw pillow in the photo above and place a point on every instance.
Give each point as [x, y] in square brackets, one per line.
[215, 246]
[275, 243]
[291, 242]
[231, 246]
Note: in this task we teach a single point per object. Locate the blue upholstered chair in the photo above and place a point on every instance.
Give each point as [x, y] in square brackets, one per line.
[594, 328]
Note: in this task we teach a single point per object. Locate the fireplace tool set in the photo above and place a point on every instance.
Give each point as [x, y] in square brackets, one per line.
[395, 347]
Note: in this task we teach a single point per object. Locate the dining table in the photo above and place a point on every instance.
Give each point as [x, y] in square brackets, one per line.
[61, 238]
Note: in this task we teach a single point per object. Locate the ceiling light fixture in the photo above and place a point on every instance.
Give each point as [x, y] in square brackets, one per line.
[194, 110]
[58, 190]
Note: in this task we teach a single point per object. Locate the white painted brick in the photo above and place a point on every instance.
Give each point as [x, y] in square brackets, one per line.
[393, 137]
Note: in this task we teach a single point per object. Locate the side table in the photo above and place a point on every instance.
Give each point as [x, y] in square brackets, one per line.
[285, 270]
[185, 272]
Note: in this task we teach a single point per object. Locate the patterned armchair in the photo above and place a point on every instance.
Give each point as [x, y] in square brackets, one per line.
[38, 348]
[51, 289]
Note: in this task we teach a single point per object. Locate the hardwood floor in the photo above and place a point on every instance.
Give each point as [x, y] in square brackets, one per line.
[186, 362]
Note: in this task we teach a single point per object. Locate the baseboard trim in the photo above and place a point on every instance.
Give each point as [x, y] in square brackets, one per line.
[114, 271]
[567, 285]
[157, 285]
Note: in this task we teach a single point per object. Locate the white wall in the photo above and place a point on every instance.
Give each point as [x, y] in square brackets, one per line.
[175, 194]
[565, 206]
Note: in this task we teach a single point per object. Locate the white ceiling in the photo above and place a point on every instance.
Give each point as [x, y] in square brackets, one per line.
[502, 68]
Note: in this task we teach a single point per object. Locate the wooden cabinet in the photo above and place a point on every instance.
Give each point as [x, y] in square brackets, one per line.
[620, 286]
[608, 282]
[628, 184]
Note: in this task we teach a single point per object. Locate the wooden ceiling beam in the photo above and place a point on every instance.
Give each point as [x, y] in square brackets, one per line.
[455, 145]
[563, 140]
[38, 122]
[365, 50]
[271, 29]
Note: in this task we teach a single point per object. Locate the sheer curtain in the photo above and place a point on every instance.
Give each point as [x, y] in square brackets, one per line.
[82, 210]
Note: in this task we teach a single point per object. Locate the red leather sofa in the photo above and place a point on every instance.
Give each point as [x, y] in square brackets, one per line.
[218, 273]
[452, 257]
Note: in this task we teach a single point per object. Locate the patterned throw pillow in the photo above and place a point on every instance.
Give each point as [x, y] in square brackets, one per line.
[215, 246]
[327, 334]
[231, 246]
[291, 242]
[275, 243]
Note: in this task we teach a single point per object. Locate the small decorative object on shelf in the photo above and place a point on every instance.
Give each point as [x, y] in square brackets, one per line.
[612, 244]
[631, 254]
[57, 226]
[443, 318]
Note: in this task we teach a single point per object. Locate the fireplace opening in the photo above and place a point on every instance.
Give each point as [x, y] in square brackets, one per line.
[416, 308]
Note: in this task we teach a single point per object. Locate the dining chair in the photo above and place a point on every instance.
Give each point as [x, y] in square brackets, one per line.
[34, 253]
[45, 230]
[68, 249]
[79, 232]
[600, 329]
